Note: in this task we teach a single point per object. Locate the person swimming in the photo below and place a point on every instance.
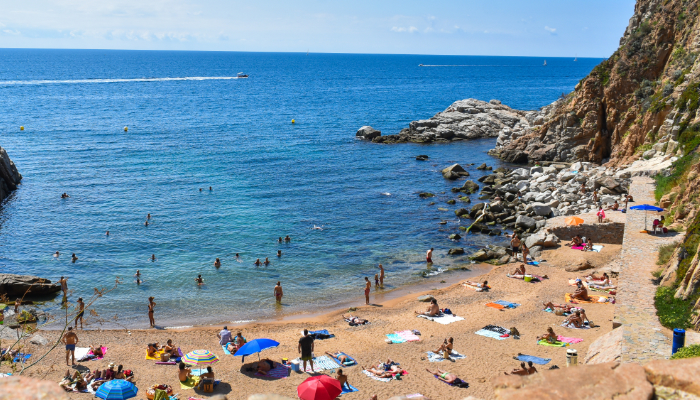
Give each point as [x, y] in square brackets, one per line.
[107, 234]
[318, 228]
[145, 223]
[199, 280]
[238, 258]
[217, 263]
[267, 261]
[279, 253]
[153, 257]
[74, 258]
[56, 254]
[287, 239]
[148, 216]
[257, 262]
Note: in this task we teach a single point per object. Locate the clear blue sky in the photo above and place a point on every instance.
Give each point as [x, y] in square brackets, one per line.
[587, 28]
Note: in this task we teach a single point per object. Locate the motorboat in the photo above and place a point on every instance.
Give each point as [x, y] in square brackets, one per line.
[241, 75]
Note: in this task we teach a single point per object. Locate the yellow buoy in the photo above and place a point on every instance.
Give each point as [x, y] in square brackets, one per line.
[126, 128]
[293, 121]
[21, 128]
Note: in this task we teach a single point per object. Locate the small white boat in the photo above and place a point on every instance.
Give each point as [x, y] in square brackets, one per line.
[575, 58]
[241, 75]
[545, 63]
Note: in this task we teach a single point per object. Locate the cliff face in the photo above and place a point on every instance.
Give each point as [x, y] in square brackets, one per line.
[9, 177]
[640, 99]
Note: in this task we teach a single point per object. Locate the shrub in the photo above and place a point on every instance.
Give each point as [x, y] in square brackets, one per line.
[672, 312]
[687, 352]
[664, 184]
[665, 253]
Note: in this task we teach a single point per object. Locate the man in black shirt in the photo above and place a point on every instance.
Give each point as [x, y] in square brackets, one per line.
[306, 348]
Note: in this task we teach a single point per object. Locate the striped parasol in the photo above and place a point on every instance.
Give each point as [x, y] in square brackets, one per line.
[200, 357]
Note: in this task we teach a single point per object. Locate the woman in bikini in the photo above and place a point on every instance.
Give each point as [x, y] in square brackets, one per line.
[151, 305]
[550, 336]
[171, 349]
[264, 366]
[520, 270]
[447, 346]
[445, 376]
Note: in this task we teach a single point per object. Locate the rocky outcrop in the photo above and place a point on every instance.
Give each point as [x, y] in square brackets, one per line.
[22, 387]
[9, 176]
[17, 285]
[368, 133]
[467, 119]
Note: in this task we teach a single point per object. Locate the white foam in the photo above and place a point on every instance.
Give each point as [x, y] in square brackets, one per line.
[178, 327]
[97, 80]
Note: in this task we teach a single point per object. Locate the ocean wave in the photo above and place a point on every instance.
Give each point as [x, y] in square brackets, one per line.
[115, 80]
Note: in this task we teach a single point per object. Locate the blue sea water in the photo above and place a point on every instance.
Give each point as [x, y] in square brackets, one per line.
[270, 178]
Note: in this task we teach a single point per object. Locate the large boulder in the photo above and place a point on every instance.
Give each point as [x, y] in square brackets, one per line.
[675, 374]
[368, 133]
[17, 285]
[525, 222]
[470, 187]
[454, 172]
[25, 388]
[581, 265]
[607, 182]
[455, 251]
[541, 238]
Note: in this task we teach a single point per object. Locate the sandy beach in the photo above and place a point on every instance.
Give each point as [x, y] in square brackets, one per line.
[485, 357]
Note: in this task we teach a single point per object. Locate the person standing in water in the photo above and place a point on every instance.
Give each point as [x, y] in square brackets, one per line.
[64, 286]
[148, 216]
[429, 256]
[238, 258]
[199, 280]
[368, 286]
[381, 276]
[107, 234]
[279, 253]
[74, 258]
[153, 257]
[278, 293]
[151, 306]
[81, 313]
[217, 263]
[287, 239]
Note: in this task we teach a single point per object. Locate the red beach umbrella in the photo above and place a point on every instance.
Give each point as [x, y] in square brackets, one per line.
[319, 387]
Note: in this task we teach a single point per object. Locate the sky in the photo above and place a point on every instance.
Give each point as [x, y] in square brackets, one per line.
[583, 28]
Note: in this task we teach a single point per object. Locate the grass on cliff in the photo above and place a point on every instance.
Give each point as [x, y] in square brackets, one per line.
[672, 312]
[664, 184]
[665, 253]
[687, 352]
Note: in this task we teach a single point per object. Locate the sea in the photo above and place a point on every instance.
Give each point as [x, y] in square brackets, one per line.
[226, 166]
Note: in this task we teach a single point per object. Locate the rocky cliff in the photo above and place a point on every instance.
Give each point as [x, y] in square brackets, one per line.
[9, 176]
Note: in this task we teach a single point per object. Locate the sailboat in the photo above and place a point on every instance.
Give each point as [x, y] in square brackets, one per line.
[545, 63]
[575, 58]
[307, 52]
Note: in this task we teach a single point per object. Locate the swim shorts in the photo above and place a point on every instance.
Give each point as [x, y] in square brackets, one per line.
[428, 259]
[366, 292]
[70, 347]
[309, 358]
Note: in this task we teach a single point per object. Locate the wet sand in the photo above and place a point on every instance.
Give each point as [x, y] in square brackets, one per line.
[485, 357]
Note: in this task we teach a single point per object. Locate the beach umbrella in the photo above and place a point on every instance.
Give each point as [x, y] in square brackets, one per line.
[200, 357]
[645, 208]
[319, 387]
[574, 221]
[255, 346]
[117, 389]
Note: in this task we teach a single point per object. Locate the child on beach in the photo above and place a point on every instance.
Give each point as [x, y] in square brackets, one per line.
[376, 281]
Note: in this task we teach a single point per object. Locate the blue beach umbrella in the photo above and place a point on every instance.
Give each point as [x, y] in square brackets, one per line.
[255, 346]
[645, 208]
[117, 389]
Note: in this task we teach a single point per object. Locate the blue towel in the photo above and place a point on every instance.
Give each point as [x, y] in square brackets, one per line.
[396, 338]
[491, 334]
[321, 332]
[345, 365]
[24, 357]
[533, 263]
[507, 304]
[226, 350]
[346, 390]
[535, 360]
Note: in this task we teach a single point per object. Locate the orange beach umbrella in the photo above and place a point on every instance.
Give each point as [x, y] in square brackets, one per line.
[574, 221]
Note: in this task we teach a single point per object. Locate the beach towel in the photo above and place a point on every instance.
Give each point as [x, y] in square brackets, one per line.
[226, 350]
[594, 299]
[346, 390]
[533, 263]
[81, 353]
[347, 363]
[571, 326]
[597, 248]
[190, 383]
[157, 357]
[321, 363]
[320, 335]
[376, 378]
[395, 338]
[351, 323]
[579, 247]
[4, 375]
[507, 304]
[535, 360]
[91, 356]
[443, 319]
[571, 340]
[280, 371]
[166, 362]
[491, 334]
[434, 357]
[408, 336]
[21, 358]
[555, 344]
[496, 306]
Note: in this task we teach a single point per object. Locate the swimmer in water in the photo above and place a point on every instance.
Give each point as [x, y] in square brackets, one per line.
[74, 258]
[138, 273]
[257, 262]
[287, 239]
[199, 280]
[279, 240]
[148, 216]
[279, 253]
[153, 257]
[200, 189]
[107, 234]
[65, 196]
[238, 258]
[145, 223]
[210, 189]
[318, 228]
[267, 262]
[56, 254]
[217, 263]
[138, 281]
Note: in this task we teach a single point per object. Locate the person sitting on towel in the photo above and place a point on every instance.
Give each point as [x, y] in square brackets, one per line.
[121, 375]
[575, 320]
[581, 292]
[520, 270]
[522, 371]
[184, 373]
[446, 346]
[589, 245]
[432, 311]
[209, 375]
[575, 241]
[152, 349]
[341, 357]
[170, 348]
[550, 336]
[343, 379]
[445, 376]
[97, 351]
[355, 320]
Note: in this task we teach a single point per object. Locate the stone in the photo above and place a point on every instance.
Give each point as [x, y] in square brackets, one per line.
[17, 285]
[470, 187]
[455, 251]
[451, 201]
[454, 172]
[422, 158]
[481, 255]
[425, 298]
[541, 238]
[368, 133]
[581, 265]
[38, 340]
[425, 195]
[607, 182]
[481, 167]
[504, 260]
[462, 212]
[455, 236]
[589, 382]
[539, 209]
[9, 176]
[535, 170]
[677, 374]
[465, 199]
[25, 388]
[525, 222]
[607, 348]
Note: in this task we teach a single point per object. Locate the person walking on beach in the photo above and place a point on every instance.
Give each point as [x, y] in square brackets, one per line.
[429, 256]
[515, 245]
[81, 313]
[601, 215]
[368, 286]
[70, 339]
[306, 348]
[381, 275]
[278, 293]
[151, 305]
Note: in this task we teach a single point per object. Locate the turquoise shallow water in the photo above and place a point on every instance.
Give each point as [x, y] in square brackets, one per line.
[269, 178]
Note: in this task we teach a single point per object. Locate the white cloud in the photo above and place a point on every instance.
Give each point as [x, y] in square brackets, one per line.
[410, 29]
[551, 30]
[2, 25]
[11, 32]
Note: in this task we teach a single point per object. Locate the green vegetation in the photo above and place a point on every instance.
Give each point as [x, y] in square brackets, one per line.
[672, 312]
[664, 184]
[665, 253]
[643, 147]
[687, 352]
[602, 70]
[689, 99]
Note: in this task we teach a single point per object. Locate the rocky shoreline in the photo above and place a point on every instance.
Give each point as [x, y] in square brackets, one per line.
[9, 176]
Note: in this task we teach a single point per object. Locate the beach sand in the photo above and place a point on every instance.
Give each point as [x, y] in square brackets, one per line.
[485, 357]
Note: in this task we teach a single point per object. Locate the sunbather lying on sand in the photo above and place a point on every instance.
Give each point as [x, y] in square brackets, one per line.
[558, 309]
[445, 376]
[340, 356]
[520, 270]
[76, 379]
[476, 285]
[432, 311]
[378, 373]
[153, 349]
[550, 336]
[447, 345]
[355, 320]
[97, 351]
[581, 292]
[599, 280]
[265, 365]
[530, 369]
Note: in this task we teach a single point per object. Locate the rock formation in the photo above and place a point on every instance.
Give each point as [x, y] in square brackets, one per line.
[17, 285]
[9, 177]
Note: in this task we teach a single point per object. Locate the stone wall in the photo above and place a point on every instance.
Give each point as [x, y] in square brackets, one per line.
[610, 233]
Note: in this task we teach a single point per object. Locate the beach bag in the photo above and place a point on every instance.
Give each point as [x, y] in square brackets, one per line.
[447, 311]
